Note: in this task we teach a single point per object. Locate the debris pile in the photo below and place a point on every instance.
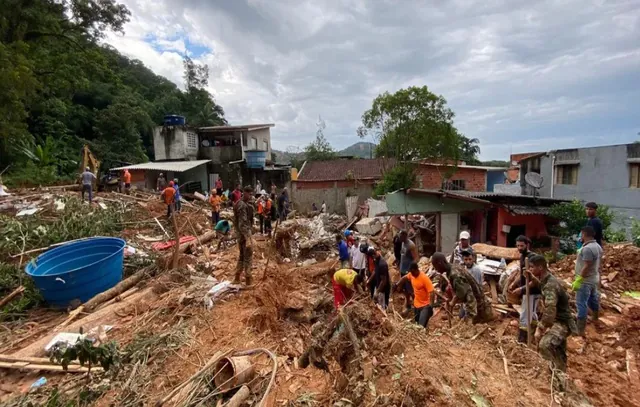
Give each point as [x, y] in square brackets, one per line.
[183, 331]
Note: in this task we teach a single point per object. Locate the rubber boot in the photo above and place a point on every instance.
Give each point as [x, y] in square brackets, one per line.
[582, 324]
[523, 335]
[595, 315]
[236, 279]
[248, 280]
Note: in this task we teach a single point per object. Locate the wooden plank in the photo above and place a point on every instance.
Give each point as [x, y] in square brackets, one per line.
[494, 290]
[48, 368]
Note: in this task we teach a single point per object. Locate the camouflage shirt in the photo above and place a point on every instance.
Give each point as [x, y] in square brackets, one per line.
[556, 303]
[468, 291]
[243, 217]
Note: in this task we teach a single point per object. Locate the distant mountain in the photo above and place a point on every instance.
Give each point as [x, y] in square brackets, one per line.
[362, 149]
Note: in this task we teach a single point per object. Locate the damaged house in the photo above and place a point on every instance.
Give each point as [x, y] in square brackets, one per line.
[199, 156]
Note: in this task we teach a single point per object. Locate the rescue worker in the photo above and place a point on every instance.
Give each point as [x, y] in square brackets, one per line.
[343, 251]
[465, 289]
[424, 294]
[127, 181]
[408, 255]
[344, 281]
[587, 279]
[168, 195]
[161, 183]
[243, 220]
[380, 278]
[215, 201]
[88, 179]
[557, 322]
[219, 186]
[222, 229]
[178, 204]
[519, 288]
[463, 245]
[266, 214]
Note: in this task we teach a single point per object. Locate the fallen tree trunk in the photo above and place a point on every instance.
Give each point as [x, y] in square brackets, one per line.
[105, 296]
[239, 398]
[496, 252]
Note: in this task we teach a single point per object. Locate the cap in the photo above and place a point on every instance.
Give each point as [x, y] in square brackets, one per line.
[464, 235]
[347, 232]
[371, 250]
[86, 168]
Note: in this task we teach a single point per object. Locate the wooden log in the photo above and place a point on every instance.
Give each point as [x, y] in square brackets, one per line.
[239, 398]
[89, 306]
[176, 247]
[496, 252]
[49, 368]
[11, 296]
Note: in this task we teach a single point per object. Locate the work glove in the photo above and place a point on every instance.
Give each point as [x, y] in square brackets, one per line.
[577, 283]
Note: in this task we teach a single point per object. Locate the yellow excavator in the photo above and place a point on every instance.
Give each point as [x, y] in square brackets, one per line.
[108, 182]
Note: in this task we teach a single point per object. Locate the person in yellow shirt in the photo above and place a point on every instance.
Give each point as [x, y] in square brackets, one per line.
[423, 294]
[343, 282]
[215, 201]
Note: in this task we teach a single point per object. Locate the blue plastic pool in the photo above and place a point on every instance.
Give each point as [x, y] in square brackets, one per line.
[78, 270]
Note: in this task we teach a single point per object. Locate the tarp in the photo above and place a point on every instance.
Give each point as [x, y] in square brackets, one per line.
[165, 245]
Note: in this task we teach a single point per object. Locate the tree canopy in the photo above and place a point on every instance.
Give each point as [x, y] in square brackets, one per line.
[412, 124]
[60, 89]
[320, 149]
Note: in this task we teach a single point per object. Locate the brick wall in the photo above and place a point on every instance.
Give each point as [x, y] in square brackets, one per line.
[431, 177]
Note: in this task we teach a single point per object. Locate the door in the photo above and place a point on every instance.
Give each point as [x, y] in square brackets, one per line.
[516, 230]
[449, 225]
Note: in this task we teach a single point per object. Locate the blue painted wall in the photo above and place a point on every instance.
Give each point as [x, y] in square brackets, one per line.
[493, 178]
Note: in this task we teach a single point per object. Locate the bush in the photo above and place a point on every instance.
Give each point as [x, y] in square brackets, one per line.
[635, 232]
[11, 277]
[31, 175]
[615, 236]
[572, 217]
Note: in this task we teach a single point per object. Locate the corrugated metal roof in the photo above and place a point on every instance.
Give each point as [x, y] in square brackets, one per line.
[247, 127]
[447, 194]
[175, 166]
[484, 194]
[528, 210]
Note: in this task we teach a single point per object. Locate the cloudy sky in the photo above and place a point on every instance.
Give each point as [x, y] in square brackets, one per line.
[520, 75]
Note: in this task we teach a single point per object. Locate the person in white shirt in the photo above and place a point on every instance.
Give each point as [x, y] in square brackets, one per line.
[323, 208]
[358, 258]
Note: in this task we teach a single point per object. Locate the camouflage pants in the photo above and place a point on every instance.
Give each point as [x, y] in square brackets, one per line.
[553, 346]
[244, 257]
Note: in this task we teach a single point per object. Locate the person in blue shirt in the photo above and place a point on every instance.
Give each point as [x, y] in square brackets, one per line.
[343, 252]
[177, 197]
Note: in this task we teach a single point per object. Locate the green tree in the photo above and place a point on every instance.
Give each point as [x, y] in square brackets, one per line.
[320, 149]
[572, 217]
[469, 150]
[408, 125]
[200, 107]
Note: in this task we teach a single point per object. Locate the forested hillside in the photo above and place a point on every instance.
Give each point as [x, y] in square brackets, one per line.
[61, 88]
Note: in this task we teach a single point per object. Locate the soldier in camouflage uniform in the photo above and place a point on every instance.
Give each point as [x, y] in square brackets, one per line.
[465, 289]
[243, 217]
[557, 322]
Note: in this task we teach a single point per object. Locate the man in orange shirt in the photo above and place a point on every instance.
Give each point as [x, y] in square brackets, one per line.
[423, 294]
[127, 181]
[168, 195]
[215, 201]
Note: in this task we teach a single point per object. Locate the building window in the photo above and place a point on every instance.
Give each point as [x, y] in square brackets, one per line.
[634, 175]
[567, 174]
[192, 140]
[454, 185]
[265, 145]
[254, 143]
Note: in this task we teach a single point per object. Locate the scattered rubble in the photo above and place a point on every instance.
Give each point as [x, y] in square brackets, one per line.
[173, 325]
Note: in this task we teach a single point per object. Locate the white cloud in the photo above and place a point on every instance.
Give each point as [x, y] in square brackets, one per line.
[511, 70]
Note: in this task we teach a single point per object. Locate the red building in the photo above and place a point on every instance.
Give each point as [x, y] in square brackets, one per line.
[459, 178]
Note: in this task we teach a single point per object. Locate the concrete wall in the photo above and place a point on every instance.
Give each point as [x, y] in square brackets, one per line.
[221, 154]
[262, 136]
[170, 143]
[603, 177]
[304, 194]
